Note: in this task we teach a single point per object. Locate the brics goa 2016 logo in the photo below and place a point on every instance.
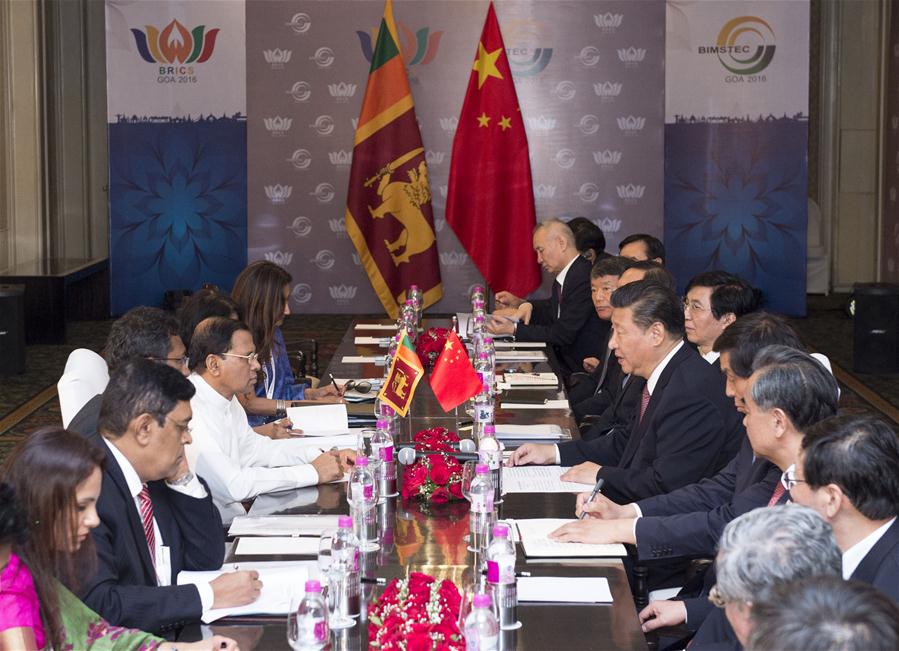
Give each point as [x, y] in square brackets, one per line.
[745, 45]
[176, 49]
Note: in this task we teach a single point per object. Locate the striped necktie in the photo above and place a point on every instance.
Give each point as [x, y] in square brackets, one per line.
[644, 403]
[146, 517]
[779, 490]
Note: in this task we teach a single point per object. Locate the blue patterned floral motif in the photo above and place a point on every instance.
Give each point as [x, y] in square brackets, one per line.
[736, 199]
[178, 196]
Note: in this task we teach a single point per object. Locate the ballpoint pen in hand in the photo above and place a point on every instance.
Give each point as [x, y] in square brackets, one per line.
[334, 383]
[593, 494]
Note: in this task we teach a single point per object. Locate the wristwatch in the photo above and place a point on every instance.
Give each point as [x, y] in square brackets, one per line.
[182, 481]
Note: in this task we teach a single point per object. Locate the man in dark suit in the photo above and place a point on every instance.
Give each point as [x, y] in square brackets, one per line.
[685, 428]
[567, 321]
[713, 301]
[156, 517]
[847, 472]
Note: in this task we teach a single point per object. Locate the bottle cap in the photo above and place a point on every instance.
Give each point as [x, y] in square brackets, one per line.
[481, 600]
[345, 522]
[488, 340]
[482, 355]
[490, 428]
[382, 423]
[362, 461]
[313, 586]
[500, 531]
[481, 469]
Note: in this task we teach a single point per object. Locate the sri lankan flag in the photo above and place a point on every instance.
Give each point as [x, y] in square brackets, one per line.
[388, 213]
[402, 378]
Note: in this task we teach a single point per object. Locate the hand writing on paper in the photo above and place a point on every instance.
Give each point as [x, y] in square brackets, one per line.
[235, 589]
[327, 466]
[602, 508]
[508, 299]
[582, 473]
[538, 454]
[595, 532]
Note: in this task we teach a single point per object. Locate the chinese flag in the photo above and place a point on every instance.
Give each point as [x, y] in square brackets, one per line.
[454, 379]
[490, 201]
[404, 375]
[388, 213]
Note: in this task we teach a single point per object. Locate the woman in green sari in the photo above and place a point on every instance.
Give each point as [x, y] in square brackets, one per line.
[47, 510]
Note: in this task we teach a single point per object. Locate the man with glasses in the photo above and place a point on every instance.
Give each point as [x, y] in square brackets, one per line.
[713, 301]
[238, 463]
[847, 472]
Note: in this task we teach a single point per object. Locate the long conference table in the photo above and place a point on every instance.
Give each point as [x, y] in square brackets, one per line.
[421, 537]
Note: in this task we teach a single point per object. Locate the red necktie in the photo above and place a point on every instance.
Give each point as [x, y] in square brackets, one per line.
[779, 490]
[146, 516]
[644, 403]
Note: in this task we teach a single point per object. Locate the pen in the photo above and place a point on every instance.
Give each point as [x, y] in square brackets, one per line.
[518, 575]
[374, 580]
[596, 489]
[334, 383]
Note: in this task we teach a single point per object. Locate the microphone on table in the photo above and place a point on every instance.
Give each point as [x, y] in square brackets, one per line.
[464, 445]
[408, 456]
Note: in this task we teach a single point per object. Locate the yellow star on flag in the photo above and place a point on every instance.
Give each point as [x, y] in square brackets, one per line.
[483, 120]
[485, 64]
[505, 123]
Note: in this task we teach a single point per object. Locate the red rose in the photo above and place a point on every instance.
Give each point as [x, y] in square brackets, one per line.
[455, 489]
[440, 495]
[440, 473]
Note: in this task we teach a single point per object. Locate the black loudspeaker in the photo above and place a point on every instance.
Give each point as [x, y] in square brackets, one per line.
[876, 348]
[12, 329]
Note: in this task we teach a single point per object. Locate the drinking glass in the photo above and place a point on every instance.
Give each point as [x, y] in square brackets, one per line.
[338, 575]
[325, 558]
[468, 473]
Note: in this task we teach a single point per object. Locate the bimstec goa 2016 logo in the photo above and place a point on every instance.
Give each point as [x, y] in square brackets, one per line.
[175, 49]
[745, 47]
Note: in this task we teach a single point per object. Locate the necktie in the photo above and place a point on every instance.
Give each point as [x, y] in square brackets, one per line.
[146, 516]
[779, 490]
[557, 290]
[644, 403]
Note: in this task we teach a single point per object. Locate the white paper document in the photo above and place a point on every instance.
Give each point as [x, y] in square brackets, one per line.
[564, 589]
[536, 543]
[282, 525]
[319, 420]
[279, 581]
[529, 432]
[265, 546]
[372, 341]
[518, 344]
[363, 359]
[375, 326]
[530, 379]
[539, 479]
[325, 442]
[520, 356]
[546, 404]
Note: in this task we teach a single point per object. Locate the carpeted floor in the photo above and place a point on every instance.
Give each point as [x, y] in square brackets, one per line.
[29, 401]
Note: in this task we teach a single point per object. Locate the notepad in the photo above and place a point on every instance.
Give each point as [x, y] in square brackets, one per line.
[547, 404]
[536, 543]
[564, 589]
[542, 432]
[279, 581]
[319, 420]
[375, 326]
[530, 379]
[328, 442]
[275, 546]
[282, 525]
[372, 341]
[378, 360]
[539, 479]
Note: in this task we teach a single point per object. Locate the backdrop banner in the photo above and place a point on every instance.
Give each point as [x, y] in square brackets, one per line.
[589, 76]
[736, 144]
[176, 105]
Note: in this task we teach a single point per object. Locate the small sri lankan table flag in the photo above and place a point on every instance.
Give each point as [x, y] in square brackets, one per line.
[404, 375]
[490, 196]
[388, 214]
[454, 379]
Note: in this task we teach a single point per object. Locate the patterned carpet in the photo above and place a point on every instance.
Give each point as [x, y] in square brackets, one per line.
[29, 401]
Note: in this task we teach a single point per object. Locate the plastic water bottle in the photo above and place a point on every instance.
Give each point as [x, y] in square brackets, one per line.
[362, 494]
[408, 317]
[501, 575]
[483, 401]
[311, 620]
[417, 299]
[382, 450]
[345, 555]
[481, 627]
[482, 516]
[490, 452]
[476, 294]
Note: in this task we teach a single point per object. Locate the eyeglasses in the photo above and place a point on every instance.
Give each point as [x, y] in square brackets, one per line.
[788, 478]
[183, 360]
[252, 357]
[359, 386]
[694, 306]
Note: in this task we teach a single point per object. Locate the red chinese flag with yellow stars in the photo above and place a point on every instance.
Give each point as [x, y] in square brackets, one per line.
[490, 201]
[454, 379]
[404, 375]
[388, 212]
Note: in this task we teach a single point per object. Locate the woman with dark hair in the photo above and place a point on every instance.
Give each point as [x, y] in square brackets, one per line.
[202, 304]
[262, 291]
[47, 510]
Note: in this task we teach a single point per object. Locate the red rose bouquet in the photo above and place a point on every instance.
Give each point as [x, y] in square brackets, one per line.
[416, 614]
[436, 477]
[430, 344]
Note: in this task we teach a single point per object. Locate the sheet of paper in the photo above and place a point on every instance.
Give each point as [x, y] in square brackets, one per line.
[378, 360]
[531, 379]
[264, 546]
[282, 525]
[518, 344]
[536, 543]
[539, 479]
[529, 432]
[375, 326]
[520, 356]
[564, 589]
[372, 341]
[327, 442]
[549, 404]
[279, 581]
[319, 420]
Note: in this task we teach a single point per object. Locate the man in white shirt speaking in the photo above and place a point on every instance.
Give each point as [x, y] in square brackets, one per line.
[238, 463]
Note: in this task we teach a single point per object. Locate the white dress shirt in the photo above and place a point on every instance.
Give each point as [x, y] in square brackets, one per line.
[712, 356]
[853, 556]
[161, 557]
[235, 461]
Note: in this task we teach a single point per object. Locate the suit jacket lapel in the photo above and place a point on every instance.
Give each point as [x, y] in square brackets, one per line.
[867, 569]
